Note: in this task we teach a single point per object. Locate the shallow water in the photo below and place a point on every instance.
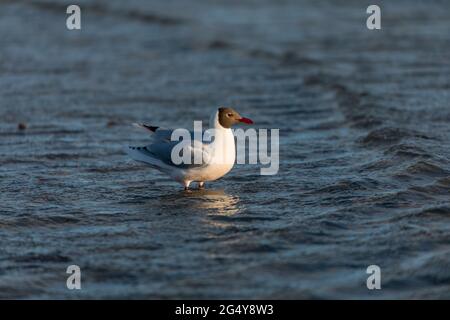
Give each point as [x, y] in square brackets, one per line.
[364, 175]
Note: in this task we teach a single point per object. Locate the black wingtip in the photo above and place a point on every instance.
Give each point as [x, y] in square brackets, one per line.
[138, 148]
[151, 128]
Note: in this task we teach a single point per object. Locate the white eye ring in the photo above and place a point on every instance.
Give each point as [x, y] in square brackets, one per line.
[229, 115]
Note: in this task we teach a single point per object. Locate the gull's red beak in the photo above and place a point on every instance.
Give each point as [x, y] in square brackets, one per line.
[246, 120]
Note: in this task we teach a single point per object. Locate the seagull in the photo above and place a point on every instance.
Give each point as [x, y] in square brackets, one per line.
[217, 153]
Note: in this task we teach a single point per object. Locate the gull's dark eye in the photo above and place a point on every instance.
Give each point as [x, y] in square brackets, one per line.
[229, 115]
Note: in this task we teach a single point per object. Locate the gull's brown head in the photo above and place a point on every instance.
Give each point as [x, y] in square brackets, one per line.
[229, 117]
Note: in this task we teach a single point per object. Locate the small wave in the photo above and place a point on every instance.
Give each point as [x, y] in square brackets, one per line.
[389, 135]
[99, 9]
[242, 218]
[50, 257]
[348, 185]
[353, 105]
[291, 58]
[406, 150]
[219, 44]
[444, 182]
[424, 168]
[404, 199]
[130, 168]
[30, 132]
[286, 58]
[50, 221]
[63, 156]
[442, 211]
[380, 164]
[315, 79]
[255, 248]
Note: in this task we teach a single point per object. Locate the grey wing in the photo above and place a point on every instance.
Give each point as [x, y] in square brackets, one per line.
[163, 152]
[157, 132]
[166, 135]
[163, 134]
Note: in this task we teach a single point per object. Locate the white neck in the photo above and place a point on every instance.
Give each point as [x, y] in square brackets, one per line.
[223, 145]
[214, 121]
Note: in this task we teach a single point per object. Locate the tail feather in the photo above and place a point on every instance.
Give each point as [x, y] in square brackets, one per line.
[138, 154]
[141, 154]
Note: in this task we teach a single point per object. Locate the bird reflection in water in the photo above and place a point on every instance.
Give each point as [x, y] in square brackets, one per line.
[216, 202]
[214, 207]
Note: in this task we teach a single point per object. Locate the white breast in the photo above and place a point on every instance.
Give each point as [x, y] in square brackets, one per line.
[223, 155]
